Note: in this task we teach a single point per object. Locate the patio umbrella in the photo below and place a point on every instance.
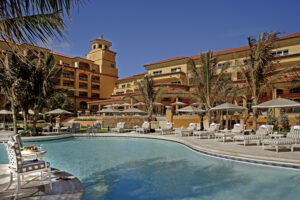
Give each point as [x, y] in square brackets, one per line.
[58, 112]
[178, 103]
[133, 110]
[125, 104]
[116, 105]
[228, 107]
[108, 110]
[196, 104]
[157, 104]
[5, 112]
[107, 106]
[139, 104]
[30, 112]
[278, 103]
[191, 109]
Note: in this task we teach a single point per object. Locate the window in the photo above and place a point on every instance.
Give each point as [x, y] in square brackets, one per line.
[123, 86]
[295, 90]
[157, 72]
[279, 91]
[245, 62]
[84, 86]
[285, 52]
[94, 95]
[220, 65]
[112, 65]
[166, 99]
[94, 107]
[94, 46]
[100, 46]
[176, 69]
[69, 84]
[279, 53]
[83, 105]
[83, 94]
[176, 82]
[95, 87]
[295, 109]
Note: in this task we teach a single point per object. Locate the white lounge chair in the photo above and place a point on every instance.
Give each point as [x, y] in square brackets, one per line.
[144, 129]
[238, 129]
[262, 133]
[210, 132]
[46, 127]
[166, 128]
[19, 168]
[119, 128]
[189, 130]
[97, 125]
[292, 138]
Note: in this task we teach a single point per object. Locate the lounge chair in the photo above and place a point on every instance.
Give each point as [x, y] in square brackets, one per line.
[46, 127]
[119, 128]
[166, 128]
[19, 168]
[210, 132]
[261, 133]
[75, 128]
[189, 130]
[292, 138]
[238, 129]
[97, 125]
[144, 129]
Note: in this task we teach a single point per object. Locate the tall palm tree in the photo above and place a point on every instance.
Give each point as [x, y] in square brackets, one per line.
[208, 80]
[260, 73]
[26, 21]
[149, 95]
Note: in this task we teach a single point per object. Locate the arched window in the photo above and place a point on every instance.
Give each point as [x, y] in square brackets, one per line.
[295, 90]
[82, 105]
[279, 91]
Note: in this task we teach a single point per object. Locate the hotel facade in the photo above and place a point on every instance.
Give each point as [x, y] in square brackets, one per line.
[85, 79]
[176, 74]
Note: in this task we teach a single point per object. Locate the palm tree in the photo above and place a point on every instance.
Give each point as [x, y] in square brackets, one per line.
[257, 73]
[26, 21]
[45, 74]
[208, 80]
[149, 95]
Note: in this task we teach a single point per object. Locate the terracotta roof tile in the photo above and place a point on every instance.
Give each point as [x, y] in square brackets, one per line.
[167, 60]
[129, 77]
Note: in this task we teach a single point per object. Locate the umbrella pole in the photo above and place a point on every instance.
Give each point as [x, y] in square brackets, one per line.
[227, 119]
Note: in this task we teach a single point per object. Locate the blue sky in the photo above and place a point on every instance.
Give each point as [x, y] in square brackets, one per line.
[146, 31]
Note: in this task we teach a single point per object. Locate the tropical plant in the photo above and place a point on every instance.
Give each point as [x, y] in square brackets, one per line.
[149, 95]
[283, 119]
[257, 73]
[208, 80]
[26, 21]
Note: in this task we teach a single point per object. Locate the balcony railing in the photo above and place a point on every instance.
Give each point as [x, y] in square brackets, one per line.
[83, 78]
[95, 80]
[83, 86]
[68, 76]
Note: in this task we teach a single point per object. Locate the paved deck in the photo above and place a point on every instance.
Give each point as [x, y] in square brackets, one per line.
[33, 188]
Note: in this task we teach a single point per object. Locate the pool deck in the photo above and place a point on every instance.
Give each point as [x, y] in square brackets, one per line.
[73, 189]
[32, 188]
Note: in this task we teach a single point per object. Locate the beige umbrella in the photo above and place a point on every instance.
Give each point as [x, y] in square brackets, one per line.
[5, 112]
[107, 106]
[228, 107]
[278, 103]
[133, 110]
[58, 112]
[157, 104]
[116, 105]
[191, 109]
[125, 104]
[30, 112]
[139, 104]
[179, 103]
[108, 110]
[196, 104]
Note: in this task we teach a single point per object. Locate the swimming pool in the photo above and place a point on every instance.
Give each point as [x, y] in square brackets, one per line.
[129, 168]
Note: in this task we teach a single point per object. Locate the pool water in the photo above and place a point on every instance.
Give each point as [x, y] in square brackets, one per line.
[122, 168]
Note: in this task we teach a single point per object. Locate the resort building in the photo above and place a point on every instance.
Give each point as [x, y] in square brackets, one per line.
[87, 79]
[176, 74]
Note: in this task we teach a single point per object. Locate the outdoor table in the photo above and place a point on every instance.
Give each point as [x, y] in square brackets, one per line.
[33, 155]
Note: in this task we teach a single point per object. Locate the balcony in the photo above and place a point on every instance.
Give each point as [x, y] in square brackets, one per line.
[82, 78]
[68, 76]
[96, 80]
[83, 86]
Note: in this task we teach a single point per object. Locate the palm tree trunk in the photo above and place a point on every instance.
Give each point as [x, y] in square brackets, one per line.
[25, 116]
[254, 118]
[14, 114]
